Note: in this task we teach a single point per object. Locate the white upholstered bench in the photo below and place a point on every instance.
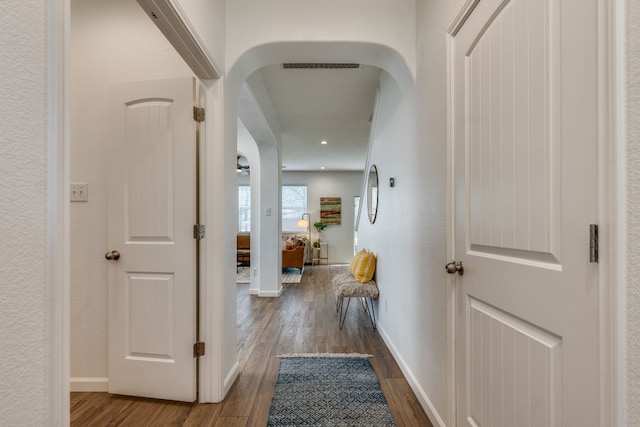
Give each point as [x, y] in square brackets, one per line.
[346, 286]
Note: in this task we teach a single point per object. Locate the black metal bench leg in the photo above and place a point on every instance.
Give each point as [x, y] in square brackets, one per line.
[367, 304]
[371, 311]
[343, 313]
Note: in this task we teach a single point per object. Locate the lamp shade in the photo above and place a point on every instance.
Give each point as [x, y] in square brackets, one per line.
[303, 223]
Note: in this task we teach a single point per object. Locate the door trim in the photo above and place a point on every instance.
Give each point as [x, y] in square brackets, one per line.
[451, 236]
[213, 387]
[611, 208]
[450, 280]
[611, 212]
[58, 212]
[171, 20]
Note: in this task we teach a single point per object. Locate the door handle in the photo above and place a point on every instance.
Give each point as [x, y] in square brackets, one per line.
[112, 256]
[455, 267]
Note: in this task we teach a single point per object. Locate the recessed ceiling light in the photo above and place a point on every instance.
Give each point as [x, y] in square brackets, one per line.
[322, 167]
[324, 143]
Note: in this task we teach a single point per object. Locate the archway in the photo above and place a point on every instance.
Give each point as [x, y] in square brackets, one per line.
[251, 60]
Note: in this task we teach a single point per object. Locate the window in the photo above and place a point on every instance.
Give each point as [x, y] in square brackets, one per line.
[294, 204]
[244, 208]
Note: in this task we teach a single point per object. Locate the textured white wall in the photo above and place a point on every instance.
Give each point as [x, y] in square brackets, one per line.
[24, 223]
[434, 17]
[409, 236]
[208, 20]
[410, 232]
[633, 213]
[110, 42]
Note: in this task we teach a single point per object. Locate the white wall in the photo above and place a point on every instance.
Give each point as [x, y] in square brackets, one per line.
[110, 42]
[434, 17]
[25, 215]
[208, 20]
[409, 235]
[632, 356]
[247, 147]
[253, 23]
[258, 115]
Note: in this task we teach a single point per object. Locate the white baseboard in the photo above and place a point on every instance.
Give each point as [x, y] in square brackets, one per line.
[89, 384]
[231, 378]
[426, 404]
[270, 294]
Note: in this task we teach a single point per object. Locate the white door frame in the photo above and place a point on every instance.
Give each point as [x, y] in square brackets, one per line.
[58, 216]
[58, 212]
[611, 213]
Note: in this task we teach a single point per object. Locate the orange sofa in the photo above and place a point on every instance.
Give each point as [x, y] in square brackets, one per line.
[294, 257]
[243, 247]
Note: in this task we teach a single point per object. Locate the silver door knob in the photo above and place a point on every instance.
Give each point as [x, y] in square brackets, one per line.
[112, 256]
[455, 267]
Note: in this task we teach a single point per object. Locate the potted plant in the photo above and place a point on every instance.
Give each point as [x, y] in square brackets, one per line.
[319, 227]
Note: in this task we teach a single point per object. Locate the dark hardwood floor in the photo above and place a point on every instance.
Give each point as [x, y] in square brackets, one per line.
[302, 320]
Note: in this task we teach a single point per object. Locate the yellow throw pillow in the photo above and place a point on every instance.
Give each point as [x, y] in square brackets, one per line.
[364, 267]
[360, 253]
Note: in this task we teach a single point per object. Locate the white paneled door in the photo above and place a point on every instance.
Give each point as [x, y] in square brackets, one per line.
[524, 76]
[152, 210]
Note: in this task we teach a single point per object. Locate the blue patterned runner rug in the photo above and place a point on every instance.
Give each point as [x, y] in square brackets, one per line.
[328, 390]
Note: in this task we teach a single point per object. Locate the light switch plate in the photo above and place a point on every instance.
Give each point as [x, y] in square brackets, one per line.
[80, 192]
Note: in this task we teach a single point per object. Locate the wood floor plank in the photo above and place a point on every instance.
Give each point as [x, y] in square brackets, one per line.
[203, 415]
[241, 397]
[260, 414]
[231, 422]
[302, 320]
[403, 404]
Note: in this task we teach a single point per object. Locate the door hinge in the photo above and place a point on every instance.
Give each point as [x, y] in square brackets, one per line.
[198, 114]
[198, 349]
[593, 242]
[198, 231]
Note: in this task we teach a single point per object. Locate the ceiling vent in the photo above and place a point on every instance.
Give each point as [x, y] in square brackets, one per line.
[320, 66]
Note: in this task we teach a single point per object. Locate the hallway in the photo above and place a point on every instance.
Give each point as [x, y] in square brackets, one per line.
[303, 320]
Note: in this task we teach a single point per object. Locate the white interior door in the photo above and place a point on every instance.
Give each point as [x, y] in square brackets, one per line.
[152, 210]
[525, 158]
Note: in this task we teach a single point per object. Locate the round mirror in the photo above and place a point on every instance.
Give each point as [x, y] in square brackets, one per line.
[372, 193]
